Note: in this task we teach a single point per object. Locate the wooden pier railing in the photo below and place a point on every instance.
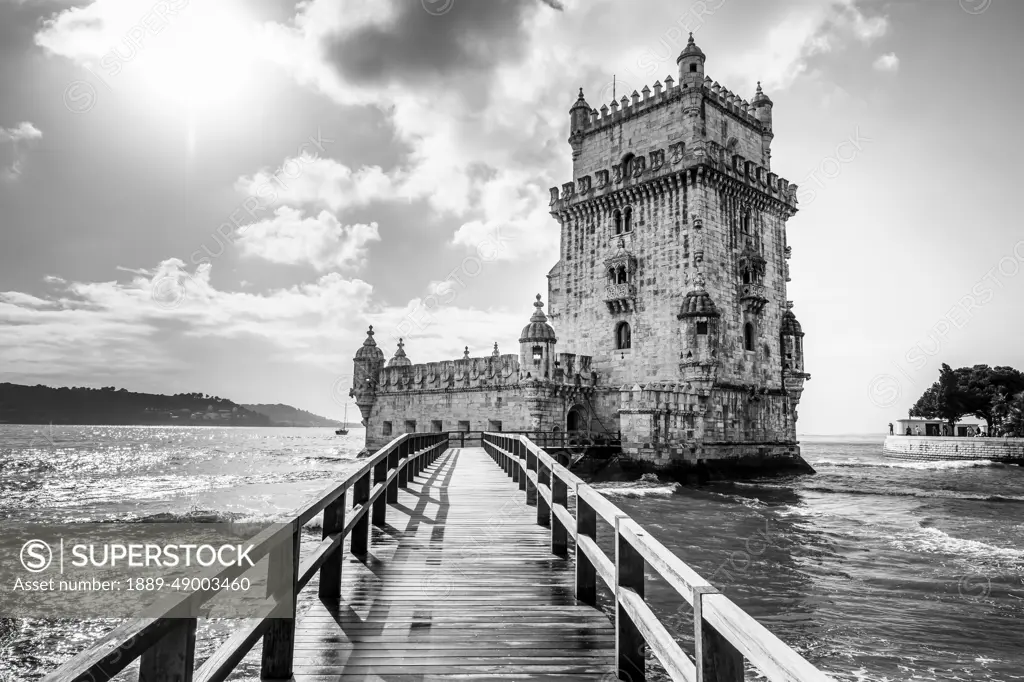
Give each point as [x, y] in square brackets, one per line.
[724, 635]
[165, 646]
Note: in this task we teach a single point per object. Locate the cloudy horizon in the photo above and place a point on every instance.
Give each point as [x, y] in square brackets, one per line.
[221, 198]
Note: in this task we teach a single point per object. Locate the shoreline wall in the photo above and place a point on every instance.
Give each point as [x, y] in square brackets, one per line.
[946, 448]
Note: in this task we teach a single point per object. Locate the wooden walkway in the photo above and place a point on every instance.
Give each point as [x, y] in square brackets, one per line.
[460, 583]
[440, 563]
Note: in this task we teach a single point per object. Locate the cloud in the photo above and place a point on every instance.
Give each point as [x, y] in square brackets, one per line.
[322, 182]
[887, 62]
[807, 30]
[320, 241]
[164, 320]
[22, 133]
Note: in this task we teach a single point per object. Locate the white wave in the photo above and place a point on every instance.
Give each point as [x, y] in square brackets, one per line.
[931, 540]
[936, 465]
[641, 491]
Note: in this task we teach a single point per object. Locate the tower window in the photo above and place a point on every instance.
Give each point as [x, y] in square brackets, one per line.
[436, 426]
[746, 276]
[538, 354]
[618, 222]
[693, 68]
[702, 328]
[748, 336]
[622, 278]
[623, 338]
[410, 426]
[627, 219]
[386, 428]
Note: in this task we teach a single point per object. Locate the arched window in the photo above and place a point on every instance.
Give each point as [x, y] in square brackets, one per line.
[622, 275]
[612, 276]
[623, 338]
[746, 276]
[745, 222]
[627, 166]
[618, 222]
[748, 336]
[627, 220]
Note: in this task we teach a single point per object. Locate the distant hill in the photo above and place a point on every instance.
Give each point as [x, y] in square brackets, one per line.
[286, 415]
[112, 406]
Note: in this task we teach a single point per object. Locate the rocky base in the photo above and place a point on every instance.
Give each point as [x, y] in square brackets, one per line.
[724, 469]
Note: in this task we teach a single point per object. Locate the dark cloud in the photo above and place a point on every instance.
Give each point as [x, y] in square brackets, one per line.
[419, 47]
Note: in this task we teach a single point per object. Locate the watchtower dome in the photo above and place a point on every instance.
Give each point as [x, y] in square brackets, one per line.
[537, 344]
[691, 65]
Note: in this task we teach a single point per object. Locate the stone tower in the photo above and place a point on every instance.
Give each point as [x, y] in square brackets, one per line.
[673, 270]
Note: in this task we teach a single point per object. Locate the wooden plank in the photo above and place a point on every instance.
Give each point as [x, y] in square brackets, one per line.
[629, 641]
[468, 586]
[173, 657]
[221, 664]
[675, 661]
[759, 646]
[666, 564]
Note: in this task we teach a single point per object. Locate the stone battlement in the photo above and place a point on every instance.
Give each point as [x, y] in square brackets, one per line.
[639, 103]
[676, 165]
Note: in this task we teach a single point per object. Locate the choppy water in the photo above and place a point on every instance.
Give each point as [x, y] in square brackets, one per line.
[873, 569]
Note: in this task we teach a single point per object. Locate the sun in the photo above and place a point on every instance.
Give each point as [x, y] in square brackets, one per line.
[203, 62]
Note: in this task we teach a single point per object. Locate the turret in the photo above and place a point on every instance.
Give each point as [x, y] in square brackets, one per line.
[537, 345]
[763, 111]
[792, 342]
[579, 117]
[691, 65]
[699, 317]
[367, 364]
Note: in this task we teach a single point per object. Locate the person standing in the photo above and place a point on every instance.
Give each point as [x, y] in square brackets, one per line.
[890, 428]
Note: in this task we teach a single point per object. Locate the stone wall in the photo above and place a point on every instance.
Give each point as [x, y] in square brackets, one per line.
[934, 448]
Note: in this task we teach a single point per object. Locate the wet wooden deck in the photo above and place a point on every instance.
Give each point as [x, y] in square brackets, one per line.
[460, 583]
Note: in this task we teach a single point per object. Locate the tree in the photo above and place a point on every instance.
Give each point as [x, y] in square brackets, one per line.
[988, 390]
[1013, 423]
[943, 400]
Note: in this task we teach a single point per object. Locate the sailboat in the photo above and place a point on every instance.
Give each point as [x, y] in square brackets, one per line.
[343, 431]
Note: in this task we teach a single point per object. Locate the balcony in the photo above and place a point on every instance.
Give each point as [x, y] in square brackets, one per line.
[754, 297]
[620, 297]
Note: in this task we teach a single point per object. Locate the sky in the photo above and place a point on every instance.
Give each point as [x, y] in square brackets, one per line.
[221, 196]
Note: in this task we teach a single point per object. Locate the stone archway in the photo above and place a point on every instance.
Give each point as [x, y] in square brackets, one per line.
[576, 419]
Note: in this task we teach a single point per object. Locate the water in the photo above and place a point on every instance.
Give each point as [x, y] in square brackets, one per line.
[873, 569]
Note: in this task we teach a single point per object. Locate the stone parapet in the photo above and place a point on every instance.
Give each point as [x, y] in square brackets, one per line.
[940, 448]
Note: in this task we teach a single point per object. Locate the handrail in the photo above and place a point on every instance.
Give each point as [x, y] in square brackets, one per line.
[724, 635]
[165, 646]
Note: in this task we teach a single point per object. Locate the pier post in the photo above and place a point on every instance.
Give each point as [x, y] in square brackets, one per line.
[629, 642]
[380, 505]
[543, 510]
[279, 639]
[405, 464]
[586, 572]
[717, 660]
[393, 459]
[330, 572]
[172, 659]
[531, 489]
[513, 451]
[520, 447]
[559, 535]
[361, 531]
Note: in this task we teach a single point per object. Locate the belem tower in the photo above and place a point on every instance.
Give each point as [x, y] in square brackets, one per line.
[667, 318]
